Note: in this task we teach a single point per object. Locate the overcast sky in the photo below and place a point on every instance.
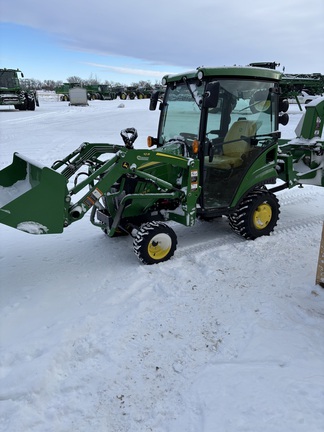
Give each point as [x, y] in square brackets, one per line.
[127, 40]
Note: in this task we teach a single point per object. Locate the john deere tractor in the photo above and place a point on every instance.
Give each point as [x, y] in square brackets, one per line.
[217, 152]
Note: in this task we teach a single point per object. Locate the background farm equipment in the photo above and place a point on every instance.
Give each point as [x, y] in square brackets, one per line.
[139, 92]
[13, 92]
[302, 87]
[299, 88]
[217, 152]
[120, 92]
[144, 92]
[64, 89]
[101, 92]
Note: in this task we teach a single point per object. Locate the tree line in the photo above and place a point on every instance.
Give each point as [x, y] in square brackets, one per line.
[52, 84]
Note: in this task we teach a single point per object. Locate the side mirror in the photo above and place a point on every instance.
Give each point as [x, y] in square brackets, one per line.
[283, 105]
[283, 119]
[154, 100]
[210, 99]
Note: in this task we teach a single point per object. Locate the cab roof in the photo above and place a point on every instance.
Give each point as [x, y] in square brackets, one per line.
[226, 72]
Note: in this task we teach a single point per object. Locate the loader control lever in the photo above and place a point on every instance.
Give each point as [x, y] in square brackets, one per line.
[129, 135]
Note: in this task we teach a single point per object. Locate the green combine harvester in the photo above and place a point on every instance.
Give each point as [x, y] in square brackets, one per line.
[13, 92]
[217, 152]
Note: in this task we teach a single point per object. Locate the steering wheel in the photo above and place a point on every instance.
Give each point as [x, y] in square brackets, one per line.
[183, 138]
[189, 136]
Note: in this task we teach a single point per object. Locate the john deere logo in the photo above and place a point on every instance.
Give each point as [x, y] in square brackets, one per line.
[125, 165]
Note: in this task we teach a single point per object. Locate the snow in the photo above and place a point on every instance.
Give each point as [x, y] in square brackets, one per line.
[10, 193]
[226, 336]
[32, 227]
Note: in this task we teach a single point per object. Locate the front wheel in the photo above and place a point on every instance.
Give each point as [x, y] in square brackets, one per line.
[257, 214]
[22, 106]
[31, 104]
[155, 242]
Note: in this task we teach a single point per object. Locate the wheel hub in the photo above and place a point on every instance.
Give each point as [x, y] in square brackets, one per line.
[262, 216]
[159, 246]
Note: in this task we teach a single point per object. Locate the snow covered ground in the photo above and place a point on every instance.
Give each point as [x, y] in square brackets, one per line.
[227, 336]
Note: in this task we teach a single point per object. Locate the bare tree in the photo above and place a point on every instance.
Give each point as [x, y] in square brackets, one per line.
[74, 79]
[92, 80]
[49, 85]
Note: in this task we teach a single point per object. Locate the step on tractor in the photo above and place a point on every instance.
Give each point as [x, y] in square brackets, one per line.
[217, 152]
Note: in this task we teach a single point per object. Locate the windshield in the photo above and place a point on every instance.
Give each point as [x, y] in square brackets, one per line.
[8, 79]
[181, 111]
[239, 99]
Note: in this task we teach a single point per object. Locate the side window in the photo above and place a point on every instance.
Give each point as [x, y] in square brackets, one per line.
[213, 124]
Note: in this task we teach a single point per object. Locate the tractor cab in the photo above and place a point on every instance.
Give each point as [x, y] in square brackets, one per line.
[9, 78]
[228, 119]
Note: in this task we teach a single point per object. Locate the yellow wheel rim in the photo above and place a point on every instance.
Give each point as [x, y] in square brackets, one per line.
[159, 246]
[262, 216]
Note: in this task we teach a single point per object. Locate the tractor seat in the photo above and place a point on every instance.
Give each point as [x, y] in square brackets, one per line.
[233, 147]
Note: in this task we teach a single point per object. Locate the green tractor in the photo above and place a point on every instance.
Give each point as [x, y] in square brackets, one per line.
[120, 92]
[100, 92]
[12, 92]
[63, 91]
[217, 152]
[106, 92]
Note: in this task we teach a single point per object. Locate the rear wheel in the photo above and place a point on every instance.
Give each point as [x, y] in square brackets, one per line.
[257, 214]
[155, 242]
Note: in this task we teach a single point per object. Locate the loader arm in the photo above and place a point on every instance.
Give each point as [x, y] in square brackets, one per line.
[42, 200]
[133, 164]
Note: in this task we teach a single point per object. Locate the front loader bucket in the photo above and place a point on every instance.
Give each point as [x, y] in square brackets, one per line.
[32, 197]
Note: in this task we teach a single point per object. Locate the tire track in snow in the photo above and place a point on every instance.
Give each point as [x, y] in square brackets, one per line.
[289, 221]
[312, 213]
[301, 194]
[34, 117]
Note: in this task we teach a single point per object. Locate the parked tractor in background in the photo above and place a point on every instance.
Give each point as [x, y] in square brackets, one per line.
[144, 92]
[63, 90]
[13, 92]
[120, 92]
[217, 152]
[101, 92]
[107, 91]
